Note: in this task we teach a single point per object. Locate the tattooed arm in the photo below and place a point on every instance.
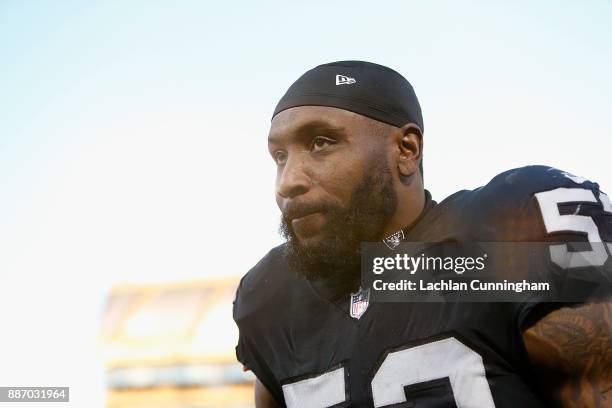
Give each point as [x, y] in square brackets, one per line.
[571, 350]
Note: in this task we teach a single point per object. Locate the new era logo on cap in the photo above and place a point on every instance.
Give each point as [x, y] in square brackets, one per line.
[344, 80]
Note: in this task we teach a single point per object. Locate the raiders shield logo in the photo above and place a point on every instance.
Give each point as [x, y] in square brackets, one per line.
[359, 303]
[392, 241]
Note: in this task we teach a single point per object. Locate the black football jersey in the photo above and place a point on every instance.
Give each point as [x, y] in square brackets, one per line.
[309, 352]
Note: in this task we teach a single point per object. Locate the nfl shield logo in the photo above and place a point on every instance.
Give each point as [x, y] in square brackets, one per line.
[359, 303]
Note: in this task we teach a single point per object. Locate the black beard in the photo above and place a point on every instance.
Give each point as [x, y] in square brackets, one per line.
[337, 257]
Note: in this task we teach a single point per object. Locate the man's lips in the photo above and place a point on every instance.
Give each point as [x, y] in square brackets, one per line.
[309, 224]
[297, 217]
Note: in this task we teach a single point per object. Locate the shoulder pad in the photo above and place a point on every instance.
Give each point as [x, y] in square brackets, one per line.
[508, 209]
[261, 285]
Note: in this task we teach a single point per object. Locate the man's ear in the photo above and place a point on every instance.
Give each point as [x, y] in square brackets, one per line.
[410, 144]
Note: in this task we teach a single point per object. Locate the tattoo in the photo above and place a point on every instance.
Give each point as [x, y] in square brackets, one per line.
[575, 344]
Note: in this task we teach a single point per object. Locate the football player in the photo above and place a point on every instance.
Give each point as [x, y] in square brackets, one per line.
[347, 140]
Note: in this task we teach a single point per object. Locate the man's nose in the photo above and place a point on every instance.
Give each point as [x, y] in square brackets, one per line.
[293, 180]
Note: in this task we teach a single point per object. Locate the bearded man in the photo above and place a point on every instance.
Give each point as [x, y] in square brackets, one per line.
[347, 140]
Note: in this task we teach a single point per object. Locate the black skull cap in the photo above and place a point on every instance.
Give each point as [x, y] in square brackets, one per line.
[368, 89]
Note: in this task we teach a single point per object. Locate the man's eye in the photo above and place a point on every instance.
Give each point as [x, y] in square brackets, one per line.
[280, 157]
[320, 142]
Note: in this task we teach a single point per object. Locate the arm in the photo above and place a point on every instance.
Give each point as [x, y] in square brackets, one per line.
[571, 350]
[263, 398]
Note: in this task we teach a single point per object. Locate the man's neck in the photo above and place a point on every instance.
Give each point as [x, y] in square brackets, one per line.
[409, 208]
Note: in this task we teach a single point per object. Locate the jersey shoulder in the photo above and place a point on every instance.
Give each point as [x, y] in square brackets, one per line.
[260, 286]
[522, 183]
[261, 296]
[514, 205]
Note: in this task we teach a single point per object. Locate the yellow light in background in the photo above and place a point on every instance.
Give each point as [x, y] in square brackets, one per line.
[171, 345]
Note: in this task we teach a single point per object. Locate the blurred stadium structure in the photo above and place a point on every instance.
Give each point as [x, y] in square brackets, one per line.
[172, 346]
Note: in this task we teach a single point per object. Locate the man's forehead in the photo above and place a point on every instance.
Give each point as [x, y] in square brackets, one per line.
[300, 117]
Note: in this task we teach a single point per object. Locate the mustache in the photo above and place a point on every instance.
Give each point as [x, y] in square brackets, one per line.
[297, 210]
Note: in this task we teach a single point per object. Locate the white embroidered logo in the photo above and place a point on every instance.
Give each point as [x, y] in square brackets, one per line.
[344, 80]
[392, 241]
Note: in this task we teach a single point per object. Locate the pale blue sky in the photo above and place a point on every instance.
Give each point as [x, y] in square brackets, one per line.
[132, 134]
[68, 65]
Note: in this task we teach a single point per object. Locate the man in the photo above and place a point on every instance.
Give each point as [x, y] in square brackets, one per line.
[347, 139]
